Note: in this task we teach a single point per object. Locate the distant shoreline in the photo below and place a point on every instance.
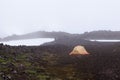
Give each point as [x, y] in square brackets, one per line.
[28, 42]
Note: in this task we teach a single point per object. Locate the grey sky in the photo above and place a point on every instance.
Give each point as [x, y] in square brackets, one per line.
[74, 16]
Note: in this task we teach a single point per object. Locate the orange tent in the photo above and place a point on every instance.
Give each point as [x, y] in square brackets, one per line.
[79, 50]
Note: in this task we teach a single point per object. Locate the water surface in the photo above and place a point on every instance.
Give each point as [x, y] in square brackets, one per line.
[104, 40]
[29, 42]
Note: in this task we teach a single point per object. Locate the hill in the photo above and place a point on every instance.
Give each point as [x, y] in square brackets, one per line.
[38, 34]
[102, 34]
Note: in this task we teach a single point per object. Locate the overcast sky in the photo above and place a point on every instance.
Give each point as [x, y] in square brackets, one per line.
[74, 16]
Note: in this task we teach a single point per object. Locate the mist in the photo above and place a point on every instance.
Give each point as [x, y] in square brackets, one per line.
[73, 16]
[59, 39]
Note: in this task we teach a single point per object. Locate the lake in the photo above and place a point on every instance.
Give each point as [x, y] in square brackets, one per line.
[29, 42]
[105, 40]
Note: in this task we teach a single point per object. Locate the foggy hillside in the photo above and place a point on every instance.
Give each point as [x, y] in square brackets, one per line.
[102, 34]
[37, 38]
[38, 34]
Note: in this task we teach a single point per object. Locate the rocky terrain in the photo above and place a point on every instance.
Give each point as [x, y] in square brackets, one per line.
[51, 61]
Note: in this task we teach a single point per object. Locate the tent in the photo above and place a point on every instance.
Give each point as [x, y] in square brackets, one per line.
[79, 50]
